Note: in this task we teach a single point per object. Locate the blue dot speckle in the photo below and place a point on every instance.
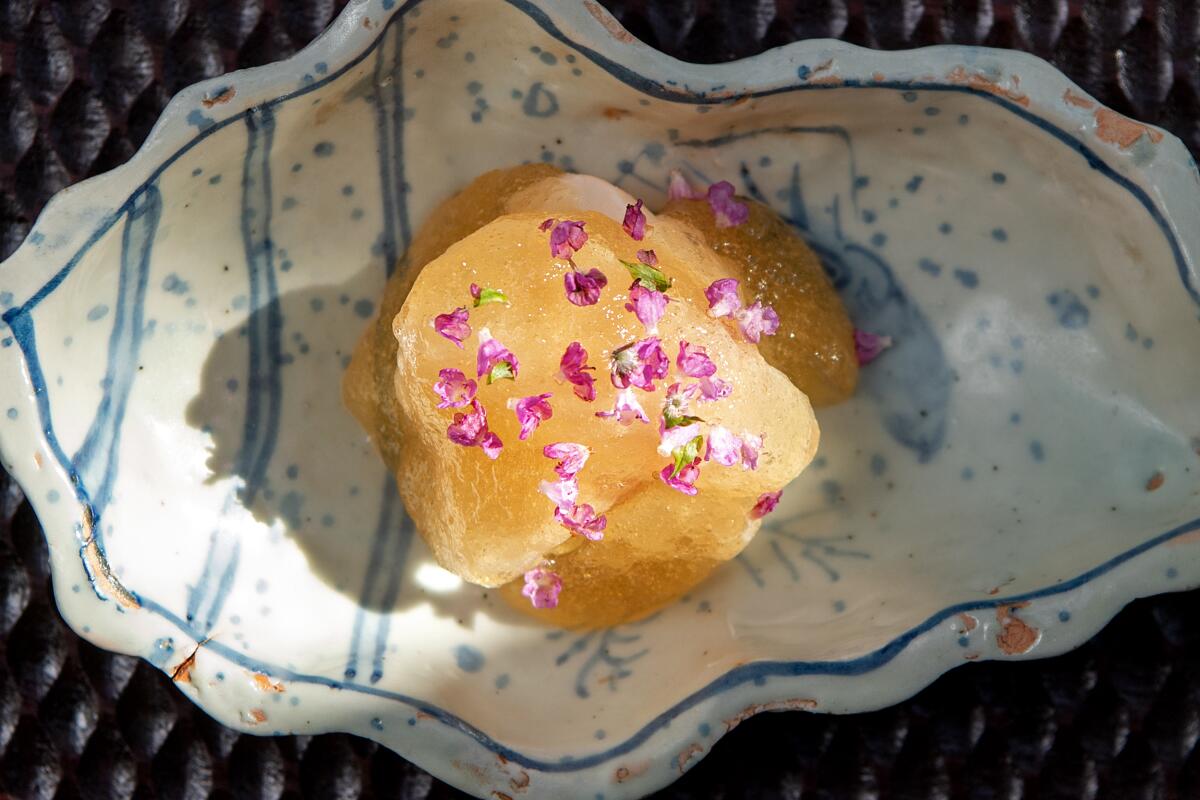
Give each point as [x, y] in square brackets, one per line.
[347, 190]
[231, 385]
[932, 111]
[323, 149]
[1071, 311]
[599, 735]
[468, 658]
[999, 234]
[967, 277]
[914, 183]
[548, 58]
[12, 413]
[97, 312]
[502, 681]
[999, 178]
[1037, 451]
[1172, 573]
[929, 266]
[879, 239]
[909, 97]
[214, 180]
[868, 216]
[945, 228]
[474, 87]
[705, 729]
[293, 471]
[967, 473]
[963, 641]
[364, 308]
[1015, 418]
[1064, 616]
[377, 724]
[878, 465]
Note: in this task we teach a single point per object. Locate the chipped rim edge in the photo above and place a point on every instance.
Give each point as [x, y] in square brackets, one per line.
[906, 664]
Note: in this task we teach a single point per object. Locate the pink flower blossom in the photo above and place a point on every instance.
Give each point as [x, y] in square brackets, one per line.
[582, 520]
[680, 188]
[647, 257]
[635, 221]
[542, 587]
[570, 456]
[639, 364]
[675, 406]
[567, 237]
[494, 359]
[626, 410]
[471, 430]
[583, 288]
[455, 388]
[491, 445]
[694, 362]
[714, 389]
[868, 346]
[677, 437]
[453, 325]
[723, 300]
[765, 505]
[757, 320]
[728, 211]
[563, 493]
[573, 368]
[751, 447]
[649, 305]
[723, 447]
[531, 412]
[684, 480]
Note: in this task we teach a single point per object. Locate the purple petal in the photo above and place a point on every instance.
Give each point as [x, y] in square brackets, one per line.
[531, 412]
[694, 362]
[491, 353]
[765, 505]
[542, 587]
[454, 325]
[723, 300]
[868, 346]
[570, 456]
[491, 445]
[649, 306]
[757, 321]
[723, 447]
[563, 493]
[647, 257]
[582, 520]
[635, 221]
[680, 188]
[455, 389]
[674, 438]
[626, 410]
[714, 389]
[583, 288]
[567, 237]
[728, 211]
[686, 479]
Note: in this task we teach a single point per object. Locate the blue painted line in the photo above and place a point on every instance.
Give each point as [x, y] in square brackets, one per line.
[401, 539]
[96, 461]
[264, 395]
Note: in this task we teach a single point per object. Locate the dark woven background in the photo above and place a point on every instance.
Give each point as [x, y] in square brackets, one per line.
[81, 84]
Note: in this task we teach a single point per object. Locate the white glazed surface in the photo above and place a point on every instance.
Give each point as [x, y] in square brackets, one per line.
[175, 331]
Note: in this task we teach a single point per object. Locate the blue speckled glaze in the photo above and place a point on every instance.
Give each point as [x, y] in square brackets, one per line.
[999, 453]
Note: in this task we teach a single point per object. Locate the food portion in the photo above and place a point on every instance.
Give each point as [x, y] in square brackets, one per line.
[572, 391]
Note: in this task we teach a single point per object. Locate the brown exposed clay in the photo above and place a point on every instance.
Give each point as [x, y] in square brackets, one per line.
[1077, 100]
[971, 656]
[625, 773]
[795, 704]
[969, 622]
[501, 796]
[1156, 481]
[611, 25]
[258, 716]
[37, 460]
[616, 113]
[520, 783]
[183, 672]
[225, 96]
[1016, 636]
[878, 77]
[264, 684]
[97, 565]
[825, 80]
[367, 23]
[959, 75]
[1120, 130]
[688, 753]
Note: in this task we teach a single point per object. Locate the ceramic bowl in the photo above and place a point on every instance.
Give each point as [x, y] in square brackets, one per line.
[1020, 465]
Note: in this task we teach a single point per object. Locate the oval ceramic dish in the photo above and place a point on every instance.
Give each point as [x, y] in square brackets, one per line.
[1020, 465]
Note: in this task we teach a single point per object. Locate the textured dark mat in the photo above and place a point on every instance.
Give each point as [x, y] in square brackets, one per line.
[81, 84]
